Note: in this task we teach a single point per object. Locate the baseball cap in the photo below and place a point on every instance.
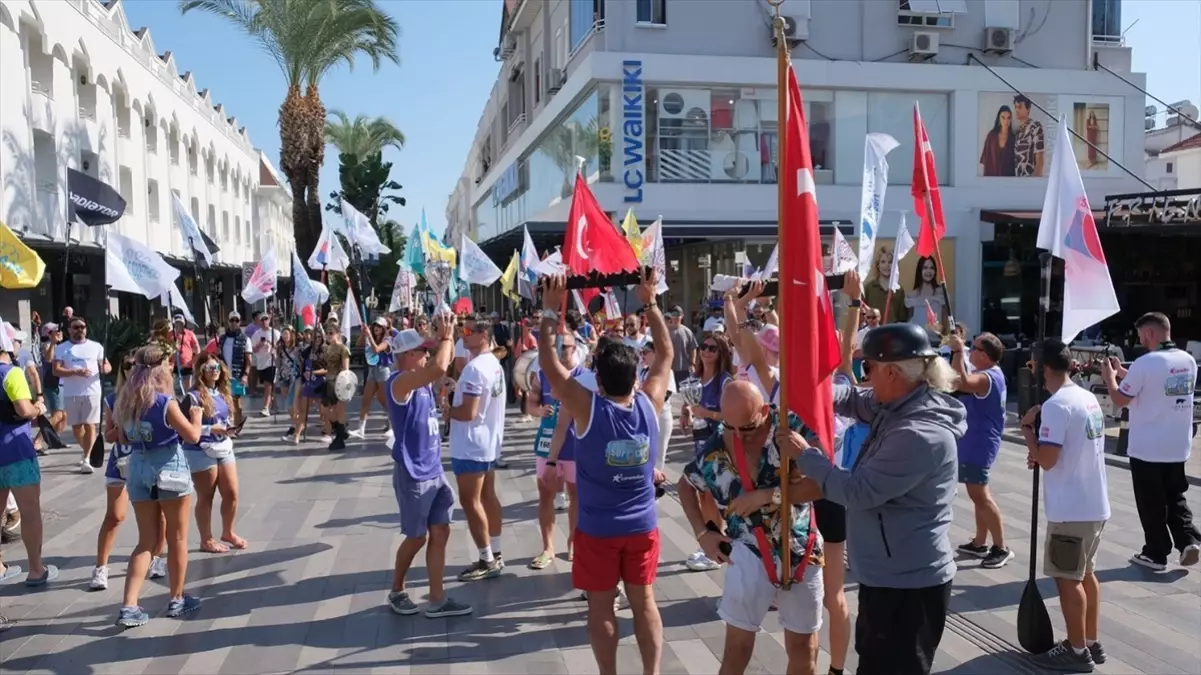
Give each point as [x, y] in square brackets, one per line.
[381, 321]
[178, 318]
[234, 315]
[407, 340]
[713, 325]
[48, 328]
[20, 335]
[769, 337]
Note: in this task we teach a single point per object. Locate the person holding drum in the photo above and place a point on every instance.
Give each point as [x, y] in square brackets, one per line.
[211, 459]
[337, 363]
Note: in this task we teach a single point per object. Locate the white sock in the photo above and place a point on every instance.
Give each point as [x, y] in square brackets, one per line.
[486, 554]
[495, 545]
[1079, 650]
[1090, 643]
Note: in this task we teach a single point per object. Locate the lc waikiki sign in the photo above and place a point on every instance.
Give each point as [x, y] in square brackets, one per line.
[633, 130]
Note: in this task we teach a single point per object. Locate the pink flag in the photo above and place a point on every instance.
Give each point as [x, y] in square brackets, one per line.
[1067, 229]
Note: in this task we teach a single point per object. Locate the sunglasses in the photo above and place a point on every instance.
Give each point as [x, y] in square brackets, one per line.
[709, 348]
[212, 367]
[748, 428]
[78, 326]
[235, 321]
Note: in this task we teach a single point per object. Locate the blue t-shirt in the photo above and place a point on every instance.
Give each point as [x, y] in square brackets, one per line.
[985, 422]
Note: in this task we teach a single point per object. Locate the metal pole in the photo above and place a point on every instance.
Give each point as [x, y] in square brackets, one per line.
[67, 268]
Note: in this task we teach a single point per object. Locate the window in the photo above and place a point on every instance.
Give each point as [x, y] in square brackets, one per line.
[225, 226]
[1168, 168]
[125, 180]
[892, 113]
[212, 221]
[238, 229]
[152, 199]
[537, 80]
[558, 55]
[927, 13]
[587, 17]
[652, 12]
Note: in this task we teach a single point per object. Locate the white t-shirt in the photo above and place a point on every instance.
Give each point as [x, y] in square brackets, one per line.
[480, 439]
[461, 350]
[753, 377]
[587, 380]
[262, 346]
[1161, 409]
[1074, 489]
[86, 354]
[636, 343]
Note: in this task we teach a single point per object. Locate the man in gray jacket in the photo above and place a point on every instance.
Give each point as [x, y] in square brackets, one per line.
[898, 497]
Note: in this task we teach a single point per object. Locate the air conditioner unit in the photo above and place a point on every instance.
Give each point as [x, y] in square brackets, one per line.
[923, 45]
[998, 40]
[796, 29]
[555, 81]
[508, 46]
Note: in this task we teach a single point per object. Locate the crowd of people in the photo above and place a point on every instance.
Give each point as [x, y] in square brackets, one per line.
[916, 416]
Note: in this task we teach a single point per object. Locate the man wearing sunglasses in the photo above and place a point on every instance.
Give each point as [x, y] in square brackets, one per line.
[79, 363]
[898, 496]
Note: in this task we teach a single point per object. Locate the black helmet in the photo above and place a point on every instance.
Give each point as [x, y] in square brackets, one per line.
[897, 342]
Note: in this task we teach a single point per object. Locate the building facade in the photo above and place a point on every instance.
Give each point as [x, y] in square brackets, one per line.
[673, 106]
[83, 90]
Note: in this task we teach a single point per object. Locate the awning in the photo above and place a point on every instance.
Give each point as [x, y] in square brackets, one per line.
[548, 234]
[1023, 217]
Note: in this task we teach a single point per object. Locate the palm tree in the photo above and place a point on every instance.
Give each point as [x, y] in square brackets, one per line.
[364, 136]
[307, 39]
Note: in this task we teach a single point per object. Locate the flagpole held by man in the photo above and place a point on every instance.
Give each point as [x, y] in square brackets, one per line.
[928, 201]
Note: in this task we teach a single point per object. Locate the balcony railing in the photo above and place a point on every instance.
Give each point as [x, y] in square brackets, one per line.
[1109, 40]
[43, 88]
[598, 26]
[86, 113]
[516, 124]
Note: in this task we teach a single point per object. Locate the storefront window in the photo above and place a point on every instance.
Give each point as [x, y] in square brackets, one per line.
[892, 113]
[552, 166]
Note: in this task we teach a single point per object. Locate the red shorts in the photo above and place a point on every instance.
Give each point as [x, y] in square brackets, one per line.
[600, 562]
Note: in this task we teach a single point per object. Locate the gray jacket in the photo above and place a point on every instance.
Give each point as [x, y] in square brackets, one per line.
[899, 493]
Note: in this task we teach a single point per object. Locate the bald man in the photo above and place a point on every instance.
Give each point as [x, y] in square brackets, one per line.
[746, 438]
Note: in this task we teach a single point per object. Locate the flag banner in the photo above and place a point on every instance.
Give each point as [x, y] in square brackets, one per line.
[402, 290]
[436, 252]
[580, 305]
[174, 298]
[1067, 229]
[633, 234]
[527, 279]
[508, 280]
[612, 309]
[193, 241]
[350, 314]
[903, 246]
[475, 267]
[261, 284]
[653, 253]
[842, 257]
[329, 256]
[94, 203]
[592, 242]
[773, 264]
[133, 267]
[414, 255]
[20, 266]
[925, 183]
[875, 183]
[932, 318]
[359, 231]
[305, 291]
[551, 265]
[6, 336]
[809, 343]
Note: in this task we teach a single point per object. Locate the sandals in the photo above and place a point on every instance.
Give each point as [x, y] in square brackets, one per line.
[541, 562]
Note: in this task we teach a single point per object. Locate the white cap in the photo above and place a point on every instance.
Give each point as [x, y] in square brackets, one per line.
[234, 315]
[714, 325]
[407, 340]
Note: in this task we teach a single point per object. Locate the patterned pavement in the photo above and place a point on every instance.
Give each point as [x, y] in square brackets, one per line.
[309, 594]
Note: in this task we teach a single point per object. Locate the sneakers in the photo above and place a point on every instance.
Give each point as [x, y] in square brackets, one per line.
[99, 580]
[158, 567]
[1146, 561]
[327, 439]
[180, 606]
[1064, 658]
[482, 570]
[1189, 556]
[448, 607]
[361, 432]
[1096, 651]
[132, 617]
[401, 603]
[560, 502]
[265, 412]
[973, 549]
[997, 557]
[699, 562]
[85, 468]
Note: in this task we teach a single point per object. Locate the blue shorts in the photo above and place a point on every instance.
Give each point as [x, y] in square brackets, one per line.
[422, 503]
[147, 466]
[198, 461]
[112, 474]
[462, 466]
[20, 474]
[53, 397]
[973, 474]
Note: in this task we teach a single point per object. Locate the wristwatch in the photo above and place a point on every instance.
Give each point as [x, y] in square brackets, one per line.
[550, 314]
[856, 302]
[551, 462]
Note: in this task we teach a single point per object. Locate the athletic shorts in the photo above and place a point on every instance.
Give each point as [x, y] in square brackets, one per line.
[564, 471]
[20, 474]
[1070, 550]
[422, 503]
[462, 466]
[601, 562]
[53, 397]
[831, 521]
[82, 410]
[973, 474]
[747, 595]
[266, 376]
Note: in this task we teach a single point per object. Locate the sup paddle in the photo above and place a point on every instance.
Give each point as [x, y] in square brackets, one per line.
[1035, 633]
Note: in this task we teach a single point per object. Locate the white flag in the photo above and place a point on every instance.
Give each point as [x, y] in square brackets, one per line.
[329, 254]
[842, 257]
[305, 291]
[551, 266]
[132, 267]
[475, 267]
[359, 232]
[900, 250]
[350, 314]
[579, 302]
[261, 284]
[653, 254]
[612, 309]
[190, 231]
[174, 298]
[770, 268]
[6, 343]
[875, 181]
[1068, 231]
[527, 274]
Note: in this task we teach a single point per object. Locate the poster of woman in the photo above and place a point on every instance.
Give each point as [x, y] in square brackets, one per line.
[1091, 120]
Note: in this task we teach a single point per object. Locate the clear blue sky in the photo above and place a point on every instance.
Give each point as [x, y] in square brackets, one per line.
[437, 92]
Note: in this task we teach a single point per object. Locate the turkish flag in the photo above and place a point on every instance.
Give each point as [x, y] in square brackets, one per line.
[925, 182]
[592, 242]
[809, 344]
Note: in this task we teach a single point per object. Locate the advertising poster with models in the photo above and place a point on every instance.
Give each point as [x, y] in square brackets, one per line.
[1016, 138]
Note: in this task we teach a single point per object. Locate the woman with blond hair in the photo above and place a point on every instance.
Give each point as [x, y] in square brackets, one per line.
[211, 457]
[116, 503]
[159, 483]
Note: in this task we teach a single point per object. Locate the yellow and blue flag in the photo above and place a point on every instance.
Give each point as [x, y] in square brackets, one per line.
[20, 266]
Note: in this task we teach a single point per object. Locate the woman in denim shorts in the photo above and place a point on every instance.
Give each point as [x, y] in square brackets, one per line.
[116, 504]
[158, 480]
[378, 348]
[212, 457]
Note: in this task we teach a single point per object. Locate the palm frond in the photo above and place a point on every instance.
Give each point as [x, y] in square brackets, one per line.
[363, 136]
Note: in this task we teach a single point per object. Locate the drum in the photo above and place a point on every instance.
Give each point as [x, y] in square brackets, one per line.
[345, 385]
[525, 371]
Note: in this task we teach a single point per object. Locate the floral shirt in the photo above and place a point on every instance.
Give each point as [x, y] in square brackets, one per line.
[715, 471]
[1031, 143]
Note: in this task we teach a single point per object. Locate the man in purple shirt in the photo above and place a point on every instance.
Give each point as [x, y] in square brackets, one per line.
[617, 537]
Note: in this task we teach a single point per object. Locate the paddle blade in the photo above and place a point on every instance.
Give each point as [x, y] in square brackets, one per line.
[96, 457]
[1035, 633]
[49, 436]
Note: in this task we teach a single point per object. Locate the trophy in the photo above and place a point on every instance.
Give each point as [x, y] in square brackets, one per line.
[691, 390]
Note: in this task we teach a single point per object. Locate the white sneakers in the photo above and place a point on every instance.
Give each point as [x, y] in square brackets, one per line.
[561, 502]
[99, 582]
[85, 468]
[699, 562]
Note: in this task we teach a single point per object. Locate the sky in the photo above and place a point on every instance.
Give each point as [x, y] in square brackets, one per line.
[436, 94]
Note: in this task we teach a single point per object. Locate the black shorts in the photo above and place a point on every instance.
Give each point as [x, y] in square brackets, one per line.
[186, 371]
[266, 375]
[831, 520]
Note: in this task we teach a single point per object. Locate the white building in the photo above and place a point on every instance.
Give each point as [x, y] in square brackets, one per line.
[673, 104]
[81, 89]
[1174, 150]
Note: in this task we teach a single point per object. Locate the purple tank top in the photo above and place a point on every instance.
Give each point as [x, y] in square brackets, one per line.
[220, 416]
[418, 444]
[985, 422]
[615, 463]
[152, 431]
